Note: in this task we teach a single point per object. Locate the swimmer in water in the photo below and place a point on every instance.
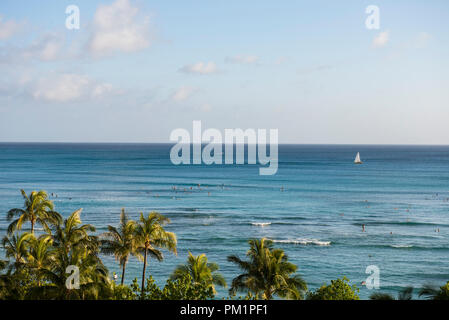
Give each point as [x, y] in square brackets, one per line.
[363, 228]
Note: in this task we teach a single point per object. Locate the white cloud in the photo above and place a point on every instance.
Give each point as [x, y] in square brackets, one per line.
[119, 27]
[242, 59]
[102, 90]
[200, 68]
[46, 48]
[9, 28]
[61, 88]
[381, 39]
[68, 87]
[182, 93]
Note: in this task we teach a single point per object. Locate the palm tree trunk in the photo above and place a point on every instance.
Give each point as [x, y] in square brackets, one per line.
[123, 273]
[32, 226]
[267, 294]
[143, 274]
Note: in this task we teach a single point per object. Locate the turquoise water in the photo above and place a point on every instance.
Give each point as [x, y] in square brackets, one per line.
[316, 204]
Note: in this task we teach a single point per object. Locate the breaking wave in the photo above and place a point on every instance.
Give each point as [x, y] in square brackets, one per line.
[261, 224]
[304, 241]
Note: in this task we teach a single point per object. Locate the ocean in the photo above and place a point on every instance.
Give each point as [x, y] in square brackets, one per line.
[313, 208]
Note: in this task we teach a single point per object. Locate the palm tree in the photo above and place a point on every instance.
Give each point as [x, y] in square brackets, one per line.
[120, 242]
[37, 209]
[434, 293]
[151, 235]
[267, 273]
[405, 294]
[93, 279]
[73, 246]
[16, 247]
[200, 271]
[40, 254]
[381, 296]
[3, 264]
[71, 234]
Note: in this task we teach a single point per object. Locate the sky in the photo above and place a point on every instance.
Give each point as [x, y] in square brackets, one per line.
[136, 70]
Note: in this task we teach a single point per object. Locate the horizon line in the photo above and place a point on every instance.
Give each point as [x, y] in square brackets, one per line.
[205, 143]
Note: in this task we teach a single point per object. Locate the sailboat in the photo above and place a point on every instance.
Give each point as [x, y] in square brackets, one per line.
[357, 159]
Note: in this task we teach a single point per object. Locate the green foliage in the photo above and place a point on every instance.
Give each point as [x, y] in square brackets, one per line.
[339, 289]
[248, 296]
[39, 264]
[381, 296]
[182, 288]
[267, 273]
[201, 271]
[431, 293]
[405, 294]
[150, 236]
[16, 285]
[121, 242]
[37, 209]
[186, 289]
[123, 292]
[444, 292]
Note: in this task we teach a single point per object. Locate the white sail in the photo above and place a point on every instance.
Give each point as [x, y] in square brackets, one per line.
[357, 158]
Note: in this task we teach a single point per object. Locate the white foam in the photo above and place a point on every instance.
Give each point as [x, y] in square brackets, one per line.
[261, 224]
[401, 245]
[305, 241]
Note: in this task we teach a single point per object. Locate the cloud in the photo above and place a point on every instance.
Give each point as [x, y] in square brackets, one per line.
[118, 27]
[9, 28]
[68, 87]
[242, 59]
[381, 39]
[200, 68]
[62, 88]
[102, 90]
[183, 93]
[46, 48]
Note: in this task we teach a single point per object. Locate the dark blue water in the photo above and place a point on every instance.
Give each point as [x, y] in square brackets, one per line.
[316, 204]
